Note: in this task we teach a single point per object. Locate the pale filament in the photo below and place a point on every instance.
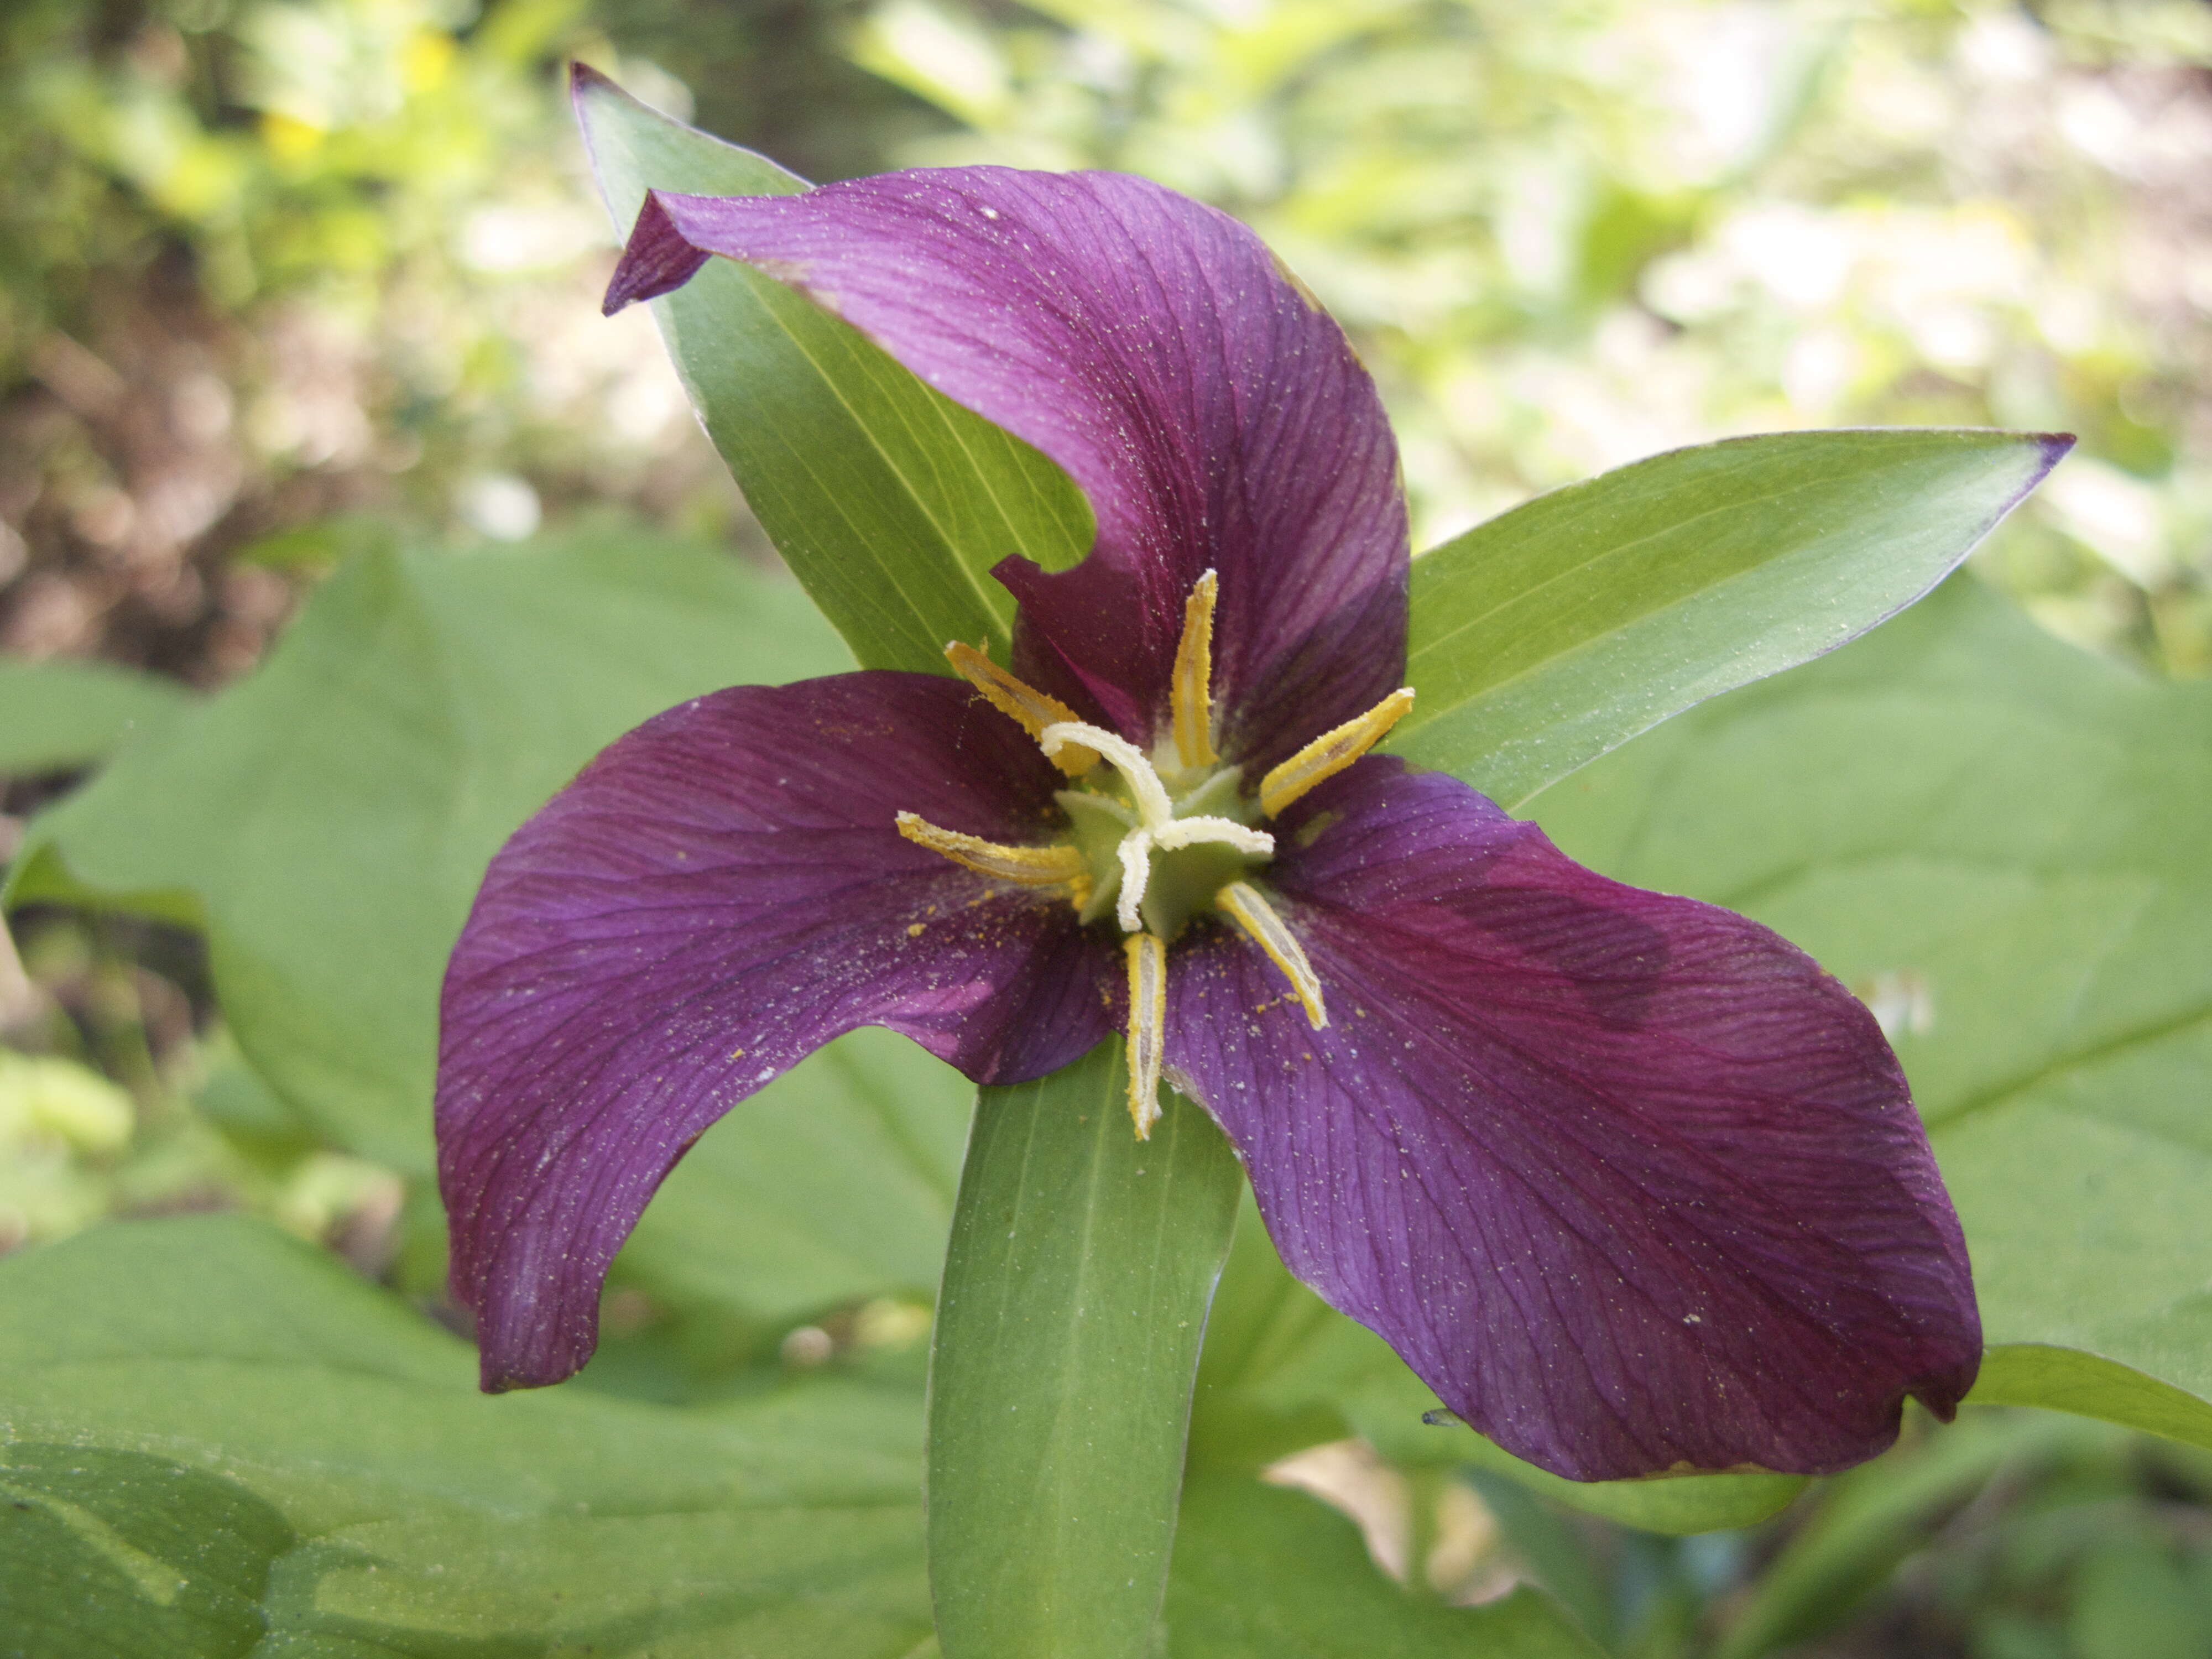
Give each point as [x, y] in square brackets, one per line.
[1147, 957]
[1331, 752]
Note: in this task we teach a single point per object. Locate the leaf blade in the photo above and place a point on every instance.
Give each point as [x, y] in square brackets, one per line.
[63, 712]
[329, 818]
[1557, 631]
[253, 1440]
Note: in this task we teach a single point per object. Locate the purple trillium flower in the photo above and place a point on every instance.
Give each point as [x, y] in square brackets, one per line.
[1628, 1180]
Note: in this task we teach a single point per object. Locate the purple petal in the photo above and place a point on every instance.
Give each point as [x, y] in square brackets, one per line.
[1626, 1179]
[718, 894]
[1213, 417]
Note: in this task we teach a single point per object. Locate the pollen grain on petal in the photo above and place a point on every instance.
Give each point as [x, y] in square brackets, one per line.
[1190, 693]
[1030, 867]
[1331, 751]
[1249, 910]
[1147, 955]
[1021, 703]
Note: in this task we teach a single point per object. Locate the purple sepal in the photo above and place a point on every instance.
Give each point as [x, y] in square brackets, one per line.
[1626, 1179]
[657, 260]
[1212, 415]
[719, 894]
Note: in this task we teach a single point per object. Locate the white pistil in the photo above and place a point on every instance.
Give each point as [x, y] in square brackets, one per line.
[1188, 832]
[1149, 795]
[1135, 853]
[1156, 828]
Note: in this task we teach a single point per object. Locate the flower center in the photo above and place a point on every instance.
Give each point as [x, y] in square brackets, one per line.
[1156, 840]
[1154, 856]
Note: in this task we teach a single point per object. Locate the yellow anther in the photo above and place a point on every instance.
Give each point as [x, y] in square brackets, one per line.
[1331, 752]
[1244, 904]
[1029, 866]
[1190, 696]
[1021, 702]
[1148, 1017]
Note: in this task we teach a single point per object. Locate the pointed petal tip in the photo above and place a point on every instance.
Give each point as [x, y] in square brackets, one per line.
[2055, 445]
[583, 78]
[657, 260]
[503, 1374]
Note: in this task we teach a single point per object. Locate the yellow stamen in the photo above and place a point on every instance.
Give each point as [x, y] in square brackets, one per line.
[1331, 752]
[1271, 934]
[1021, 702]
[1148, 1019]
[1190, 697]
[1030, 867]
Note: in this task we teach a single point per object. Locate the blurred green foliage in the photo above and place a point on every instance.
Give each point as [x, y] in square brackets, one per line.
[1568, 235]
[340, 153]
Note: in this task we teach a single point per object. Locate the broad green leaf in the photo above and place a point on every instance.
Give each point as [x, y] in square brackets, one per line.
[216, 1437]
[328, 819]
[834, 1182]
[1999, 841]
[1282, 1370]
[1262, 1573]
[1075, 1293]
[889, 502]
[63, 713]
[1562, 628]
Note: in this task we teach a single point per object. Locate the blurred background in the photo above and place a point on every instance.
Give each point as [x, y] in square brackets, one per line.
[286, 276]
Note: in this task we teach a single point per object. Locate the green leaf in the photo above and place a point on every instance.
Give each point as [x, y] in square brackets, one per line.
[889, 502]
[834, 1182]
[328, 819]
[1074, 1298]
[1562, 628]
[63, 713]
[2000, 843]
[1282, 1371]
[218, 1437]
[1262, 1573]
